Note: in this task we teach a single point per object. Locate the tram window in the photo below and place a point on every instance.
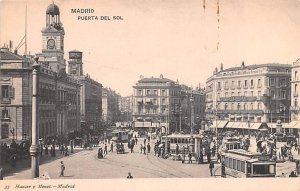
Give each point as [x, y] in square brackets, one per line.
[226, 161]
[248, 168]
[243, 166]
[230, 147]
[175, 141]
[238, 163]
[261, 169]
[186, 141]
[179, 140]
[234, 164]
[230, 163]
[272, 169]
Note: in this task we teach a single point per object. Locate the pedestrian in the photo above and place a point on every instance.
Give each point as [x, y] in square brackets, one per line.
[105, 149]
[218, 157]
[292, 174]
[131, 148]
[211, 167]
[136, 140]
[46, 149]
[190, 157]
[66, 151]
[141, 148]
[145, 141]
[201, 157]
[144, 149]
[148, 147]
[99, 150]
[177, 149]
[129, 176]
[223, 174]
[62, 168]
[1, 174]
[112, 147]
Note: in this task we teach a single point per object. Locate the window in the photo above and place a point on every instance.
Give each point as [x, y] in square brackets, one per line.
[238, 162]
[246, 83]
[232, 94]
[234, 164]
[163, 92]
[282, 82]
[272, 94]
[154, 111]
[251, 106]
[4, 114]
[226, 106]
[154, 101]
[230, 163]
[245, 106]
[239, 93]
[261, 169]
[226, 84]
[296, 103]
[219, 85]
[251, 93]
[232, 83]
[226, 94]
[259, 83]
[163, 101]
[4, 131]
[251, 83]
[272, 81]
[7, 93]
[218, 97]
[245, 93]
[282, 94]
[258, 106]
[296, 75]
[296, 89]
[232, 106]
[239, 84]
[242, 166]
[259, 93]
[239, 106]
[155, 92]
[140, 92]
[148, 92]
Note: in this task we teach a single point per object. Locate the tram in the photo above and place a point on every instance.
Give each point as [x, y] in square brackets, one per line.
[240, 163]
[119, 136]
[182, 140]
[231, 143]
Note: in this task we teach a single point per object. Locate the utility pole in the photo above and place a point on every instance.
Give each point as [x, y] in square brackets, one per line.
[34, 149]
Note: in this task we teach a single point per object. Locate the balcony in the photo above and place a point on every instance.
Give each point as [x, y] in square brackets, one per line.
[5, 119]
[237, 99]
[231, 111]
[5, 100]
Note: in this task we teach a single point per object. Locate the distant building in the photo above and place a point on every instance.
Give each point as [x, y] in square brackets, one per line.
[255, 93]
[192, 108]
[90, 93]
[110, 106]
[153, 101]
[295, 94]
[125, 106]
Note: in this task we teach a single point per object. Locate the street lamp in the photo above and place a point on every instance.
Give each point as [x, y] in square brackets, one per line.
[34, 149]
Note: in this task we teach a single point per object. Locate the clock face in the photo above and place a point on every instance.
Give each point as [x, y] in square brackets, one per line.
[51, 43]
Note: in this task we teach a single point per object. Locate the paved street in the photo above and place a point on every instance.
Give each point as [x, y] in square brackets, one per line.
[85, 164]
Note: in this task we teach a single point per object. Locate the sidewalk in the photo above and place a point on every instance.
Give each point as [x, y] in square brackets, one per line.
[25, 164]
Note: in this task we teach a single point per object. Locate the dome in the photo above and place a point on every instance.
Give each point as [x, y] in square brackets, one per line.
[52, 9]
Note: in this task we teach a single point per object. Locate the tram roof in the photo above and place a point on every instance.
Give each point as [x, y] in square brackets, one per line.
[244, 152]
[179, 136]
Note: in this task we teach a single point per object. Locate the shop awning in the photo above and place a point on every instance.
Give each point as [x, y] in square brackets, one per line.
[292, 125]
[255, 126]
[218, 124]
[232, 125]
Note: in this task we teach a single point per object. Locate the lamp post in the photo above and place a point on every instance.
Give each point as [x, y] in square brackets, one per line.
[34, 149]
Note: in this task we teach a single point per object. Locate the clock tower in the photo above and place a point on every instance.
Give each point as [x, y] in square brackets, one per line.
[53, 40]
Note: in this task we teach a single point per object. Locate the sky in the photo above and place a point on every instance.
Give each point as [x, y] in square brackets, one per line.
[176, 38]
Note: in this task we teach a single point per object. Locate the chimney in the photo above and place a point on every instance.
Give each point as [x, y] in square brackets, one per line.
[221, 67]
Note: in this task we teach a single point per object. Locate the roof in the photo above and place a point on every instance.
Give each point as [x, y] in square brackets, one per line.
[6, 55]
[52, 9]
[75, 51]
[255, 66]
[151, 80]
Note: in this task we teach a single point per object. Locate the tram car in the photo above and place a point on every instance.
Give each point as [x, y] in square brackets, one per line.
[120, 136]
[240, 163]
[185, 141]
[230, 144]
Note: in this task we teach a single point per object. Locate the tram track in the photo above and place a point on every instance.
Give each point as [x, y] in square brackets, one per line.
[140, 168]
[174, 168]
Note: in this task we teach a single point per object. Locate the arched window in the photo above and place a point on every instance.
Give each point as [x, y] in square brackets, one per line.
[239, 106]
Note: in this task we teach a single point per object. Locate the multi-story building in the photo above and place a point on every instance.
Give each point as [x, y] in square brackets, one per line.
[59, 106]
[192, 108]
[110, 106]
[255, 93]
[125, 107]
[295, 108]
[90, 92]
[153, 102]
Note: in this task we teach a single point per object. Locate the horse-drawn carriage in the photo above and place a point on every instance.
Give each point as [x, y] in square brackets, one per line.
[120, 148]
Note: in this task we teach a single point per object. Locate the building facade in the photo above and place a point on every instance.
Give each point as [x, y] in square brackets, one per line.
[90, 92]
[58, 92]
[256, 93]
[125, 106]
[110, 106]
[153, 102]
